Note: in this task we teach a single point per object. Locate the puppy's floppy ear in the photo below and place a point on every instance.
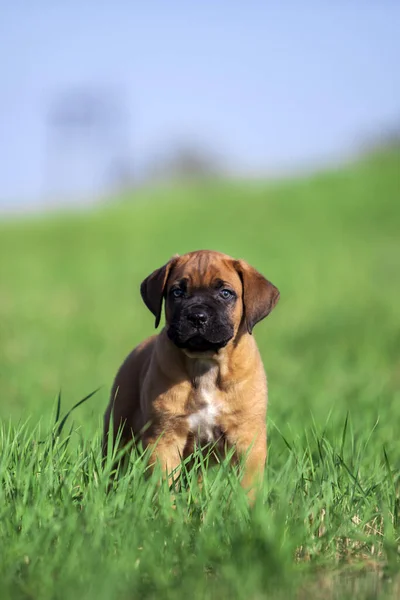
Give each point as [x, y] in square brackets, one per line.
[259, 295]
[153, 287]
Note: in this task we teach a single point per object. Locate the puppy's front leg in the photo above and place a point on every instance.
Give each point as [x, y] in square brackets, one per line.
[167, 451]
[252, 448]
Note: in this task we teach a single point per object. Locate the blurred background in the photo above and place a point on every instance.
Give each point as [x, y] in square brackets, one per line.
[99, 98]
[132, 131]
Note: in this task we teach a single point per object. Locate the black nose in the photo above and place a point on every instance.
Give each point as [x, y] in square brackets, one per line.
[198, 317]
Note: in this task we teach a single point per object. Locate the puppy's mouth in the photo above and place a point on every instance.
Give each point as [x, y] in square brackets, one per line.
[198, 343]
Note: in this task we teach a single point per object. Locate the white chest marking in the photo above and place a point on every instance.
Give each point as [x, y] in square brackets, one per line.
[203, 422]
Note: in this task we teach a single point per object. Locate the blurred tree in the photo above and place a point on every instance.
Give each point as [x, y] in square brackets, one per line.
[87, 135]
[386, 137]
[185, 162]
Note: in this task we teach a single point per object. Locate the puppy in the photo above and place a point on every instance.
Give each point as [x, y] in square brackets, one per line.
[201, 380]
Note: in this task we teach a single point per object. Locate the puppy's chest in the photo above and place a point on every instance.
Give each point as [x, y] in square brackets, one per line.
[205, 408]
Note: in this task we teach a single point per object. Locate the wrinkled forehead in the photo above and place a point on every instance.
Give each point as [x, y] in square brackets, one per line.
[204, 270]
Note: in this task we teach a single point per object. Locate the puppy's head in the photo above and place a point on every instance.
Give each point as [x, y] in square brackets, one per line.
[209, 298]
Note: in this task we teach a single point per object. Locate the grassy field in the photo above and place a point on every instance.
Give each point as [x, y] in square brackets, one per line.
[327, 525]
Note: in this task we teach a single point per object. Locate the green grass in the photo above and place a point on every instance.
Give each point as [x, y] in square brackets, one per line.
[70, 310]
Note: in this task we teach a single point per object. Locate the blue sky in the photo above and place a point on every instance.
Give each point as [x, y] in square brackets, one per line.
[268, 84]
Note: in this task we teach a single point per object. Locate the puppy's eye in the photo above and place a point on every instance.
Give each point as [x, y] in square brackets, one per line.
[226, 294]
[177, 293]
